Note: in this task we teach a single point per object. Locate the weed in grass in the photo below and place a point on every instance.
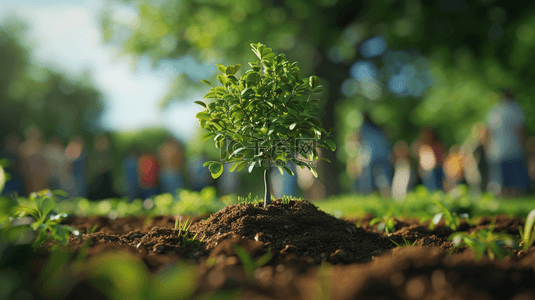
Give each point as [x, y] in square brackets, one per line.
[248, 263]
[485, 241]
[528, 234]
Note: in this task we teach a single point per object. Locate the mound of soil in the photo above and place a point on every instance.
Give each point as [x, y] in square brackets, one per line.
[315, 255]
[298, 229]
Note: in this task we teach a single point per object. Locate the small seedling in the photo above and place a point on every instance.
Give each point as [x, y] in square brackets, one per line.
[183, 232]
[485, 241]
[405, 243]
[264, 118]
[451, 219]
[47, 225]
[386, 224]
[249, 264]
[528, 234]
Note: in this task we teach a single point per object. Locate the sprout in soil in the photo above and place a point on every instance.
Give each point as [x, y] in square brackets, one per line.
[528, 234]
[264, 118]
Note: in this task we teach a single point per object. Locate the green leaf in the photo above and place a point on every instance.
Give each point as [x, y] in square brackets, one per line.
[331, 144]
[216, 169]
[221, 68]
[46, 205]
[292, 126]
[210, 95]
[201, 103]
[222, 79]
[313, 170]
[207, 135]
[209, 163]
[251, 166]
[206, 81]
[235, 165]
[202, 115]
[313, 81]
[238, 151]
[288, 170]
[241, 166]
[325, 159]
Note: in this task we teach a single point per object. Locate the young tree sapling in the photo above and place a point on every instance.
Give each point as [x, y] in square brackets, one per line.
[265, 118]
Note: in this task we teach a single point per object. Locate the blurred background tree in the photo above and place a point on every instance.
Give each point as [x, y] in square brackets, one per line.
[408, 63]
[35, 96]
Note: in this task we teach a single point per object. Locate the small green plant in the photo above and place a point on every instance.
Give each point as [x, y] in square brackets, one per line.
[451, 219]
[47, 225]
[405, 243]
[248, 263]
[386, 224]
[248, 199]
[183, 233]
[264, 118]
[485, 241]
[528, 234]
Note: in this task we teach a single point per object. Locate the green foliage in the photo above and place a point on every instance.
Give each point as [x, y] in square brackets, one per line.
[267, 113]
[249, 264]
[528, 233]
[451, 219]
[386, 224]
[248, 199]
[485, 241]
[46, 224]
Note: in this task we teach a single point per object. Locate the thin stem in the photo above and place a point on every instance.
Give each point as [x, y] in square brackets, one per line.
[267, 194]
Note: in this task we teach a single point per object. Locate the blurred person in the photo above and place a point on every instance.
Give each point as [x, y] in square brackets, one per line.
[375, 158]
[149, 169]
[11, 152]
[228, 182]
[530, 146]
[34, 165]
[312, 187]
[404, 177]
[171, 159]
[505, 152]
[101, 185]
[130, 173]
[430, 152]
[353, 167]
[283, 184]
[74, 181]
[453, 168]
[55, 155]
[199, 176]
[475, 163]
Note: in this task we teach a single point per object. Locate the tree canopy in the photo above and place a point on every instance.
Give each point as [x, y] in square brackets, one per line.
[408, 63]
[35, 96]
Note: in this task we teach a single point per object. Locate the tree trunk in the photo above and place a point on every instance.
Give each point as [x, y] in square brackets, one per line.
[267, 193]
[334, 74]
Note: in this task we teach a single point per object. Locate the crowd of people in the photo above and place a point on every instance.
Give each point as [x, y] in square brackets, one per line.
[496, 158]
[88, 172]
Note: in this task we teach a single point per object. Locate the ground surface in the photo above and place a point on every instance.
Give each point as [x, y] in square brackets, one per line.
[317, 256]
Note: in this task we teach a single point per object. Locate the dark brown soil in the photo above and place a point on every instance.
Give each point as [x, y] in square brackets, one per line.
[317, 256]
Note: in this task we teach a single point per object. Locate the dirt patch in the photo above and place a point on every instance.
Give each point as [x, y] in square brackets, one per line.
[315, 255]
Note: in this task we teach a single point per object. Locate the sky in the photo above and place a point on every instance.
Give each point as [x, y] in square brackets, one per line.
[66, 36]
